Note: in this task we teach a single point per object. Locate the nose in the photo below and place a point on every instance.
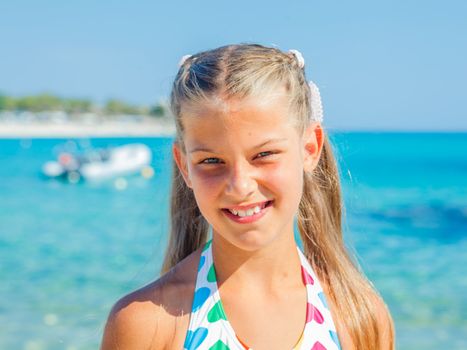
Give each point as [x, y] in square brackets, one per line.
[241, 182]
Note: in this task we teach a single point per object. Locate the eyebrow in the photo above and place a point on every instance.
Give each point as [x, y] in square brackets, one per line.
[270, 141]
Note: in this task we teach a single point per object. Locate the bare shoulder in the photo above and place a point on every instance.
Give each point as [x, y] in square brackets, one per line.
[155, 316]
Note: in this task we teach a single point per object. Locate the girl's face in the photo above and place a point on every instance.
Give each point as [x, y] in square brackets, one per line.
[245, 163]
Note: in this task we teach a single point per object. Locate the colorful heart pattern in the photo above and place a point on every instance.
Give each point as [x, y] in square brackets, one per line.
[307, 279]
[216, 313]
[318, 346]
[313, 314]
[209, 328]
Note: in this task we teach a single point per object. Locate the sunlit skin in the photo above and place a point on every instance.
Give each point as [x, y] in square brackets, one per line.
[235, 156]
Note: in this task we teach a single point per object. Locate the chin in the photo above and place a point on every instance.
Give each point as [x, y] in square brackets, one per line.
[249, 241]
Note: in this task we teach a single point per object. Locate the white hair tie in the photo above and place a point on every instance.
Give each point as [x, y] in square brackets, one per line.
[316, 105]
[299, 57]
[183, 59]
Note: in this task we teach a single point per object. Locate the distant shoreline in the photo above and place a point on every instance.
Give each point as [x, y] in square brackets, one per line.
[146, 128]
[14, 129]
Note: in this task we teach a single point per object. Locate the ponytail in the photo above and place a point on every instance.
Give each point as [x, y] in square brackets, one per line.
[188, 228]
[320, 226]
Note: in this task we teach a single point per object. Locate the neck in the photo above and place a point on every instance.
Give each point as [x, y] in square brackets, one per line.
[269, 267]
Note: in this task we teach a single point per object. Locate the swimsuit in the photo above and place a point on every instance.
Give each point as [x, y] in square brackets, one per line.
[209, 328]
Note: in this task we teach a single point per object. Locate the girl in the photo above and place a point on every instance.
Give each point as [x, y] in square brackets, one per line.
[251, 157]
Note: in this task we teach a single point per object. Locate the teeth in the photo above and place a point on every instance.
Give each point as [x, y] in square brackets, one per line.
[243, 213]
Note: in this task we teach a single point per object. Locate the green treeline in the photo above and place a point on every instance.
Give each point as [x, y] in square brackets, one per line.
[48, 102]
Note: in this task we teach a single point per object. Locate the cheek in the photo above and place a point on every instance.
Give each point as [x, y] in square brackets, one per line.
[275, 175]
[203, 178]
[206, 185]
[286, 179]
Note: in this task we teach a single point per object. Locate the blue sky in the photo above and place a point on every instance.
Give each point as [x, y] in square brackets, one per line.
[384, 65]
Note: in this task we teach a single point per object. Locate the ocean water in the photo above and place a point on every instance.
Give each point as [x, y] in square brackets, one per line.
[69, 251]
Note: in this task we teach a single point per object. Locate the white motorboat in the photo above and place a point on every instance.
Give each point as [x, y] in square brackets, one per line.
[100, 163]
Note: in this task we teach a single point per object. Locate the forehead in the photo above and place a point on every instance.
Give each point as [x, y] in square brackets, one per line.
[234, 122]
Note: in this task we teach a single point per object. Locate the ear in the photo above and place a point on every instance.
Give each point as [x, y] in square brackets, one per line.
[180, 160]
[313, 140]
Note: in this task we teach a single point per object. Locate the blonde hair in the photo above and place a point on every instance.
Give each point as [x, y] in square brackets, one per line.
[251, 70]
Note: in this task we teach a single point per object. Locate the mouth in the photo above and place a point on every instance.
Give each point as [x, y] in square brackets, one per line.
[248, 211]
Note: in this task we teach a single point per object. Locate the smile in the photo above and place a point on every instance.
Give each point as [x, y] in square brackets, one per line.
[247, 214]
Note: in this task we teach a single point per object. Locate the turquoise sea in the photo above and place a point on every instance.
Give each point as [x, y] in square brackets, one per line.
[69, 251]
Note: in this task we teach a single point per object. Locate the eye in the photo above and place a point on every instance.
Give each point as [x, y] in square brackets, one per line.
[211, 160]
[264, 154]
